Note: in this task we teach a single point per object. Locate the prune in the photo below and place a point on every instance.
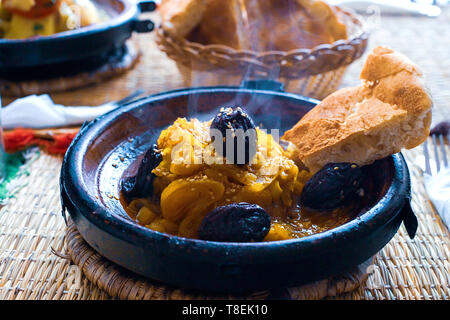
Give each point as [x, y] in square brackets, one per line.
[332, 187]
[237, 222]
[141, 185]
[236, 124]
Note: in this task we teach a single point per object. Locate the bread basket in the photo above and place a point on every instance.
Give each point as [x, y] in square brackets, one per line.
[315, 72]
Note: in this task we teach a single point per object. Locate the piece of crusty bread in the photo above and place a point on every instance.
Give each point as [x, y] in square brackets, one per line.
[257, 25]
[291, 24]
[389, 111]
[221, 23]
[326, 15]
[261, 25]
[180, 17]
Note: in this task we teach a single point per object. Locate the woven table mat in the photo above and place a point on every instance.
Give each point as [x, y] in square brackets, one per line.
[122, 284]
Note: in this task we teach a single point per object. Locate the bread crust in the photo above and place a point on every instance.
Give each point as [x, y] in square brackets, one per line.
[290, 24]
[354, 124]
[258, 25]
[180, 17]
[220, 24]
[326, 15]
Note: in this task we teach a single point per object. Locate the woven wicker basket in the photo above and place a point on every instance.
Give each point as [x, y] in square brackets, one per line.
[314, 72]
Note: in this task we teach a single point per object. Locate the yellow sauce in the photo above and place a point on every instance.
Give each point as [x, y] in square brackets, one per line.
[184, 193]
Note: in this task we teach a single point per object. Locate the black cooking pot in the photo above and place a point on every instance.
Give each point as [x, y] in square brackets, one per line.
[110, 147]
[71, 47]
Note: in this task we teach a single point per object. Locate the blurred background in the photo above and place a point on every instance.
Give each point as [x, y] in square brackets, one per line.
[418, 29]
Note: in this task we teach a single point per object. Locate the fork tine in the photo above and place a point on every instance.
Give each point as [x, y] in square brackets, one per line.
[436, 153]
[443, 150]
[427, 157]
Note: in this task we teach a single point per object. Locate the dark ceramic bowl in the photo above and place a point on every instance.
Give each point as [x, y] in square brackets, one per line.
[18, 55]
[112, 144]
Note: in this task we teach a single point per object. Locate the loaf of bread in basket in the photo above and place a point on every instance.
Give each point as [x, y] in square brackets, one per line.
[305, 44]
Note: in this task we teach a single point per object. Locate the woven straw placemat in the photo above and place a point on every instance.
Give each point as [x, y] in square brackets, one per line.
[122, 284]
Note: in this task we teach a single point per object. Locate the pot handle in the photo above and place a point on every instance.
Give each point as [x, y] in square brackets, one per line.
[263, 84]
[147, 6]
[409, 219]
[142, 26]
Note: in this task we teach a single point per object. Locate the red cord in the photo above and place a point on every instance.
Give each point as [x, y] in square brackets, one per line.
[61, 143]
[20, 138]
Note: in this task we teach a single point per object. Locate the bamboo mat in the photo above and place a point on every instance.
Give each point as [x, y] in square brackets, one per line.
[122, 284]
[31, 226]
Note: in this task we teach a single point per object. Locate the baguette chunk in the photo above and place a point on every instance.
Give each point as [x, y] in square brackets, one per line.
[389, 111]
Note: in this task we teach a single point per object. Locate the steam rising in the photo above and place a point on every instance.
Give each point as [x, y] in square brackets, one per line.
[262, 25]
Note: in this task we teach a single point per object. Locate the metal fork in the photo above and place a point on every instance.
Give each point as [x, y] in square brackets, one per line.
[439, 164]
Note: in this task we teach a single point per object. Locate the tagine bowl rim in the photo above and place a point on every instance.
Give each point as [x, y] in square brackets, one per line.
[128, 230]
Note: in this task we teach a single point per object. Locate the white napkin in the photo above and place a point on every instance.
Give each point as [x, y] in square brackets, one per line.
[438, 189]
[41, 112]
